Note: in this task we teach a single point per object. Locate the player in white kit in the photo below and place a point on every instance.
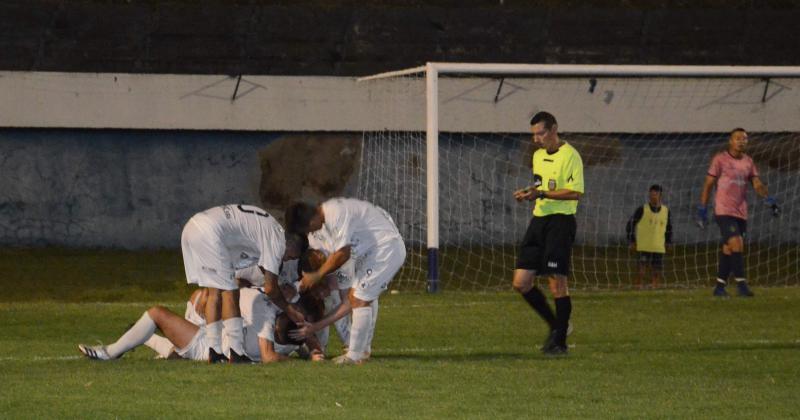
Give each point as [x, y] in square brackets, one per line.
[187, 336]
[215, 243]
[358, 231]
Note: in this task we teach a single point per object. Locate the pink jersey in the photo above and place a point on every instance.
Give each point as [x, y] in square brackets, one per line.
[732, 175]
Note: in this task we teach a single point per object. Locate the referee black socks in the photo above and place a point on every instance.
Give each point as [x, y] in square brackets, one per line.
[538, 302]
[563, 312]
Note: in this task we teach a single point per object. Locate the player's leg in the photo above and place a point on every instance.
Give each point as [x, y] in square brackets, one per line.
[559, 237]
[136, 335]
[233, 326]
[642, 263]
[736, 245]
[724, 267]
[213, 315]
[374, 278]
[656, 269]
[528, 262]
[160, 345]
[176, 329]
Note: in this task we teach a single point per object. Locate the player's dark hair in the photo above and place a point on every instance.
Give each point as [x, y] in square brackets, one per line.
[310, 260]
[297, 240]
[546, 117]
[737, 129]
[655, 187]
[298, 216]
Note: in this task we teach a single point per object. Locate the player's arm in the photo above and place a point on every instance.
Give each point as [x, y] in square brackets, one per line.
[668, 232]
[312, 327]
[331, 264]
[562, 194]
[760, 187]
[267, 350]
[275, 294]
[763, 192]
[630, 227]
[707, 186]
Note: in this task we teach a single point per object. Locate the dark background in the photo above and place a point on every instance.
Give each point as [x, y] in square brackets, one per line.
[345, 38]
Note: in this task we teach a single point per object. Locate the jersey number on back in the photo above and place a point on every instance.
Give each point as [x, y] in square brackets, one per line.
[244, 210]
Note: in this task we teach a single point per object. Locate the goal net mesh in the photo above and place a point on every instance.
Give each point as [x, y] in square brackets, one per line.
[480, 224]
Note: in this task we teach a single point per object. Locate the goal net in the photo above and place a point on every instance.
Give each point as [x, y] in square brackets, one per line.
[632, 129]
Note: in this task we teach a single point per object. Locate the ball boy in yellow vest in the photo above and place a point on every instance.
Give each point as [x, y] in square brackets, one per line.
[649, 233]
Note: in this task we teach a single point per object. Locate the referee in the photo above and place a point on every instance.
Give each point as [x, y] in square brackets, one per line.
[547, 246]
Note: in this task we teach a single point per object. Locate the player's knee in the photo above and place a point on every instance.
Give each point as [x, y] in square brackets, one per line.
[558, 286]
[522, 282]
[156, 312]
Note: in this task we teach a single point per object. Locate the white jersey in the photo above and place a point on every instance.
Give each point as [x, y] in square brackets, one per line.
[353, 222]
[250, 235]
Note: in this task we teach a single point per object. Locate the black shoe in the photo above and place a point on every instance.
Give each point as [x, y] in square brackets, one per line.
[551, 341]
[238, 358]
[214, 357]
[555, 350]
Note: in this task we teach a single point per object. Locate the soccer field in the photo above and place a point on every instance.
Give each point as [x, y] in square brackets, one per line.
[672, 354]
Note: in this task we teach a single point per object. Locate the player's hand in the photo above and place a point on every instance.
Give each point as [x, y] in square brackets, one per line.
[526, 193]
[309, 280]
[632, 246]
[702, 217]
[305, 329]
[772, 202]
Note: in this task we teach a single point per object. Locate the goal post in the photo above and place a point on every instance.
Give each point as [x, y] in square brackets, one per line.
[613, 110]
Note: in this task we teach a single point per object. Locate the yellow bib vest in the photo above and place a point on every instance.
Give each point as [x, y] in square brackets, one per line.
[651, 229]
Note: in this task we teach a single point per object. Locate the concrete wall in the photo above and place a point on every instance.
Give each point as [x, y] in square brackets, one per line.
[280, 103]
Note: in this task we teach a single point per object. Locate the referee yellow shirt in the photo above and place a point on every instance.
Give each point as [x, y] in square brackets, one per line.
[560, 170]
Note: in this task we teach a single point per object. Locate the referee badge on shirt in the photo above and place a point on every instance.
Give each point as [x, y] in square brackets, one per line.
[551, 185]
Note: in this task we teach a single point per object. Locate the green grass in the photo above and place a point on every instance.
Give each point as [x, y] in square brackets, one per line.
[636, 355]
[672, 353]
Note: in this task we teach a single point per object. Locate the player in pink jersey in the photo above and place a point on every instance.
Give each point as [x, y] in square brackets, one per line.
[731, 171]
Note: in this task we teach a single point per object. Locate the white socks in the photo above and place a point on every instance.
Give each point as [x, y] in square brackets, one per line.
[374, 305]
[360, 333]
[136, 336]
[160, 344]
[214, 336]
[232, 328]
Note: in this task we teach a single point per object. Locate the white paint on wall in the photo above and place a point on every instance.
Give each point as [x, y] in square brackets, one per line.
[315, 103]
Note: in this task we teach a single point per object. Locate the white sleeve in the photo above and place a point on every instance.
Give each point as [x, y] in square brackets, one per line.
[272, 244]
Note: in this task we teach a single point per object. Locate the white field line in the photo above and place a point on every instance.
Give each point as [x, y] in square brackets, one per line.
[417, 350]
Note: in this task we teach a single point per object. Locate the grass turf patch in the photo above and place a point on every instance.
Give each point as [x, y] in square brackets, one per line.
[453, 355]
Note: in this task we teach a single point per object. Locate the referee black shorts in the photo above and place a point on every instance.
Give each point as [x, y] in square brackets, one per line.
[730, 226]
[547, 245]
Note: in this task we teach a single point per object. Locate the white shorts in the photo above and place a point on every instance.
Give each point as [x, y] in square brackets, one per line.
[375, 270]
[197, 349]
[205, 258]
[192, 316]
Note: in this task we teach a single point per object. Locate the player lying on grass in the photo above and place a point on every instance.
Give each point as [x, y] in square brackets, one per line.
[187, 335]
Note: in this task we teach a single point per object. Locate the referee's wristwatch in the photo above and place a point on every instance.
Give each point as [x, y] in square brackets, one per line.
[540, 195]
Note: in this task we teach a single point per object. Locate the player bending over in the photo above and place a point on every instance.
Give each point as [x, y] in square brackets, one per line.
[358, 231]
[215, 243]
